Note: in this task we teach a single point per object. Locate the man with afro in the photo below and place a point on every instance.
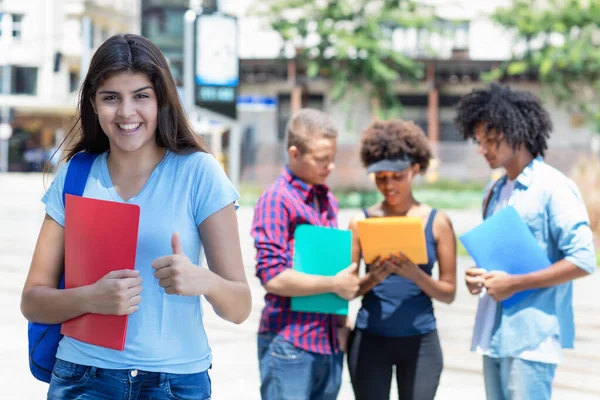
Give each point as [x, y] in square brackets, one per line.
[522, 344]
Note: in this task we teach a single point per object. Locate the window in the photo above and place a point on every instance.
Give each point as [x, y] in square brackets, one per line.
[24, 80]
[17, 21]
[1, 16]
[165, 28]
[449, 133]
[284, 109]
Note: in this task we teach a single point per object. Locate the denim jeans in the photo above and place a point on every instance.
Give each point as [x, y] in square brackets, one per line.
[74, 381]
[515, 379]
[290, 373]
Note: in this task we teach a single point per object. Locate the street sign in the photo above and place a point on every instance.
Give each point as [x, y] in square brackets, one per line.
[6, 131]
[257, 103]
[217, 64]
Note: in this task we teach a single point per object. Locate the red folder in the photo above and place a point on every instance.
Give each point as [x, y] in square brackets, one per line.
[100, 237]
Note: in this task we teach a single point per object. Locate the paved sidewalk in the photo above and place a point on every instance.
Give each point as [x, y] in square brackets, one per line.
[235, 369]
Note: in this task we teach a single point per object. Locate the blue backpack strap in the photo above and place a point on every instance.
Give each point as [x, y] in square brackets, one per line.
[77, 174]
[43, 338]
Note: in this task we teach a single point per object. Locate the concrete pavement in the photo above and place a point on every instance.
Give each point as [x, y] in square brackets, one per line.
[235, 369]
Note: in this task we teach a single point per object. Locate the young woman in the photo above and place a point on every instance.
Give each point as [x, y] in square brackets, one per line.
[396, 325]
[131, 116]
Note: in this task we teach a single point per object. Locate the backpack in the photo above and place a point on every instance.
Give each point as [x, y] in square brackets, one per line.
[44, 338]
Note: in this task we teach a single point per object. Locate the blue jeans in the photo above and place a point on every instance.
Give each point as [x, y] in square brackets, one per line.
[290, 373]
[515, 379]
[74, 381]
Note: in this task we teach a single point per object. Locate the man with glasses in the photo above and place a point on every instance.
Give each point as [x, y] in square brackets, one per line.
[299, 352]
[521, 345]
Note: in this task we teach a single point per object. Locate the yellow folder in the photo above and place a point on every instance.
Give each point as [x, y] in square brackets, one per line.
[384, 236]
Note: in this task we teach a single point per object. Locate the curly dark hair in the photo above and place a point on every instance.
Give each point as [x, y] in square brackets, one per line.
[519, 115]
[385, 140]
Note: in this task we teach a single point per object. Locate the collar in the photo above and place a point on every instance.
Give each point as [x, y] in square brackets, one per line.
[306, 191]
[526, 176]
[310, 192]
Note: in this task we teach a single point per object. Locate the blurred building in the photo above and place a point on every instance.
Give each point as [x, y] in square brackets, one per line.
[46, 45]
[45, 48]
[468, 44]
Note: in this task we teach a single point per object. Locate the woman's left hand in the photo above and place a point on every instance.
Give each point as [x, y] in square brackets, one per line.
[402, 266]
[178, 275]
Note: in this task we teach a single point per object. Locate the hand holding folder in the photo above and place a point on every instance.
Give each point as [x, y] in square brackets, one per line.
[321, 251]
[504, 242]
[382, 237]
[100, 237]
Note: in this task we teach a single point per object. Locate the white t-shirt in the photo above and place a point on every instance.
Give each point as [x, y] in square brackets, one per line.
[549, 351]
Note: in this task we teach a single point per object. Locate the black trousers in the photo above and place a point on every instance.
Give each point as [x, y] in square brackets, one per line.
[418, 361]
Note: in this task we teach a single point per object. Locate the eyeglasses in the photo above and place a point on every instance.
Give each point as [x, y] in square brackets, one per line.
[489, 141]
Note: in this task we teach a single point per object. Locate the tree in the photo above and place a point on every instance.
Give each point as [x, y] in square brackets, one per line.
[559, 41]
[350, 42]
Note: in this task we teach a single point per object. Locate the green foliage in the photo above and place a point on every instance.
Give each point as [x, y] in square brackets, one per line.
[559, 40]
[443, 195]
[350, 42]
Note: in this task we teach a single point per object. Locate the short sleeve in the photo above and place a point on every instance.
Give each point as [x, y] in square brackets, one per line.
[212, 190]
[570, 226]
[53, 198]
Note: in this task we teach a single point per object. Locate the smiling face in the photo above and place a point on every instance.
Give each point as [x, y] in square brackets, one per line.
[127, 110]
[396, 186]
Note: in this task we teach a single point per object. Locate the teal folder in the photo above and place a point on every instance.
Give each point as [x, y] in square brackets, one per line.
[321, 251]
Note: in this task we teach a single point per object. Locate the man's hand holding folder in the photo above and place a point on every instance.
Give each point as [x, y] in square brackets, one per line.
[346, 283]
[503, 256]
[498, 284]
[335, 262]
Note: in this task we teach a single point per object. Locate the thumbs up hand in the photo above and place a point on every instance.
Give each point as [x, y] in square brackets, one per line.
[176, 244]
[178, 275]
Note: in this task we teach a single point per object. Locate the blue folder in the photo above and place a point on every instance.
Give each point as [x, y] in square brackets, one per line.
[504, 242]
[321, 251]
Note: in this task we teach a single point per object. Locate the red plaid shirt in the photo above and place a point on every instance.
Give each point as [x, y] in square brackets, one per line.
[289, 202]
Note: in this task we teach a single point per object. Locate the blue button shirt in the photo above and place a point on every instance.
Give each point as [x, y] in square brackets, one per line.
[551, 205]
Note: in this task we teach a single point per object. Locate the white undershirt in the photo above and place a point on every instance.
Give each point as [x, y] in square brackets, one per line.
[549, 351]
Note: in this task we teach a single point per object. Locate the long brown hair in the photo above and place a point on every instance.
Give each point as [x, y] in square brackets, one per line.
[132, 53]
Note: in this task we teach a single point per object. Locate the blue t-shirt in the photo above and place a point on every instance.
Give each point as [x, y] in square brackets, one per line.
[166, 334]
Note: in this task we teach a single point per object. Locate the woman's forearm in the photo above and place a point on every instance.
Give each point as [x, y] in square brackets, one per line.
[366, 283]
[436, 289]
[231, 300]
[47, 305]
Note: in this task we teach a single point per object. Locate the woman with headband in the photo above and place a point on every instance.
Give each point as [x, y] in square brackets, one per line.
[396, 325]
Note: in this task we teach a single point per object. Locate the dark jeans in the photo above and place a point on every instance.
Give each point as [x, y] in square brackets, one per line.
[290, 373]
[418, 361]
[74, 381]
